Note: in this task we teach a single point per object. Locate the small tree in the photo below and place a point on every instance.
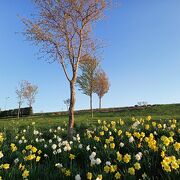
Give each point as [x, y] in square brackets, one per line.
[86, 81]
[142, 103]
[63, 30]
[67, 102]
[30, 91]
[20, 95]
[102, 85]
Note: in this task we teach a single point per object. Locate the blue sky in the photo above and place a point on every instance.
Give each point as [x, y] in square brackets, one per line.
[141, 57]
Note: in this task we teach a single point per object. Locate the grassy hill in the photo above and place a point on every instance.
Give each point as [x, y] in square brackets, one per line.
[151, 137]
[157, 110]
[46, 120]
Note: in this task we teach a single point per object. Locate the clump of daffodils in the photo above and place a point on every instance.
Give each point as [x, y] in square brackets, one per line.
[169, 163]
[93, 159]
[114, 149]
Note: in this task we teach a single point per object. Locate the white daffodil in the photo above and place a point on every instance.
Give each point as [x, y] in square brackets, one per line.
[54, 146]
[58, 165]
[121, 144]
[1, 154]
[87, 148]
[98, 161]
[131, 139]
[77, 177]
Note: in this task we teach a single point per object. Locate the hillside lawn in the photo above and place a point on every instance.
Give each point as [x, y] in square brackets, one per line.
[83, 119]
[48, 134]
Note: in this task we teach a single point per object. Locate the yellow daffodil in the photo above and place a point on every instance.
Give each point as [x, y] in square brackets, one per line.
[148, 118]
[89, 175]
[101, 133]
[107, 141]
[5, 166]
[39, 152]
[127, 158]
[131, 171]
[106, 169]
[121, 122]
[167, 168]
[137, 135]
[128, 134]
[105, 128]
[71, 156]
[171, 133]
[142, 134]
[174, 165]
[21, 167]
[96, 138]
[113, 168]
[67, 172]
[28, 147]
[30, 157]
[153, 124]
[137, 166]
[147, 126]
[162, 154]
[25, 174]
[173, 126]
[159, 126]
[111, 139]
[13, 147]
[38, 158]
[112, 145]
[176, 146]
[34, 149]
[117, 175]
[23, 151]
[119, 156]
[1, 137]
[99, 121]
[99, 177]
[119, 132]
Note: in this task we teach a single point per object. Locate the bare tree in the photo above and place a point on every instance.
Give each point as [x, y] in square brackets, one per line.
[86, 81]
[67, 103]
[142, 103]
[20, 95]
[30, 91]
[63, 30]
[102, 85]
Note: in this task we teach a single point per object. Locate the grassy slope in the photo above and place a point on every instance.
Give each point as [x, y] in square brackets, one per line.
[157, 112]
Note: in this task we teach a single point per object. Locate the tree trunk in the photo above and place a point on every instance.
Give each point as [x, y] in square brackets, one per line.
[71, 110]
[31, 110]
[19, 110]
[91, 106]
[99, 102]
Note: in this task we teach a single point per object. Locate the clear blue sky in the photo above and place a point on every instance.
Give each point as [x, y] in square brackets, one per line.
[142, 56]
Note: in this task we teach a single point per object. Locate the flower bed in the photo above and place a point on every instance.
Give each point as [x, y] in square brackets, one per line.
[136, 149]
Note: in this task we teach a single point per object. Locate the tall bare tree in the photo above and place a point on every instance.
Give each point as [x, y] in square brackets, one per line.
[102, 85]
[86, 81]
[63, 29]
[30, 91]
[20, 95]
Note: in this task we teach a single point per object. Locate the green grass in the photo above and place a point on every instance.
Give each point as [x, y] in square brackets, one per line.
[46, 124]
[46, 120]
